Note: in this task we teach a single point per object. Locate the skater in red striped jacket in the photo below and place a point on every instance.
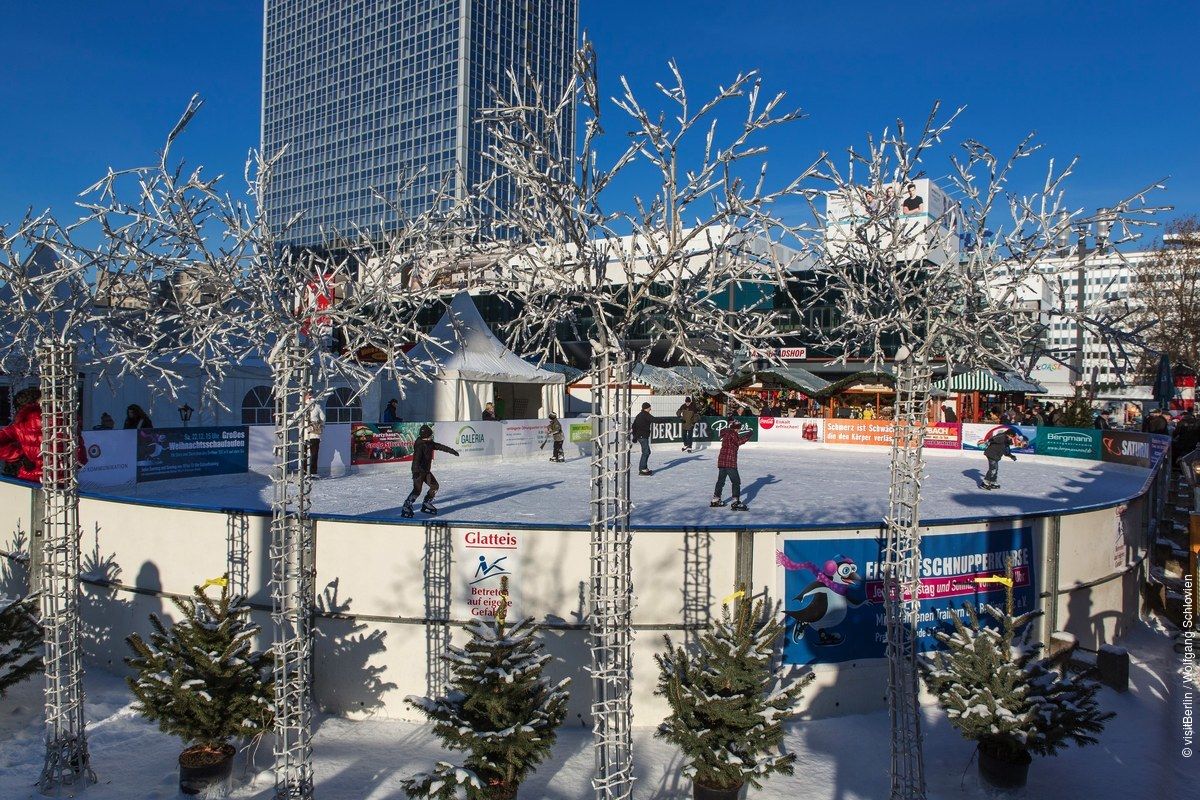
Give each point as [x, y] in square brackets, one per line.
[731, 439]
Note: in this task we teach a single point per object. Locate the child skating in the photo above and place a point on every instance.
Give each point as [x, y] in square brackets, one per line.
[422, 471]
[731, 439]
[554, 432]
[998, 447]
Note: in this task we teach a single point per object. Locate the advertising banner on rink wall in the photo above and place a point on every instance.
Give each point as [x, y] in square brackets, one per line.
[874, 432]
[379, 443]
[166, 453]
[944, 436]
[525, 436]
[471, 439]
[708, 429]
[975, 436]
[482, 558]
[1132, 447]
[112, 457]
[790, 430]
[833, 592]
[1069, 443]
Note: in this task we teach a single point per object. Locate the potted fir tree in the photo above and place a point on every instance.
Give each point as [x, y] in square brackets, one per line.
[201, 680]
[729, 696]
[501, 711]
[20, 641]
[997, 691]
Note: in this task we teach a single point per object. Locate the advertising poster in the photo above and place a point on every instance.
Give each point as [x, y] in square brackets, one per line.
[790, 430]
[1068, 443]
[833, 592]
[579, 432]
[874, 432]
[1131, 447]
[944, 436]
[522, 436]
[168, 453]
[472, 439]
[670, 429]
[482, 559]
[377, 443]
[975, 436]
[111, 458]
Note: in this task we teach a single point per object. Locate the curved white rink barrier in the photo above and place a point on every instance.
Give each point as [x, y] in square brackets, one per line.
[389, 594]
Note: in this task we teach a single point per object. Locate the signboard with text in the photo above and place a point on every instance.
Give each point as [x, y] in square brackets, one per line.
[975, 436]
[483, 559]
[1068, 443]
[874, 432]
[167, 453]
[379, 443]
[670, 429]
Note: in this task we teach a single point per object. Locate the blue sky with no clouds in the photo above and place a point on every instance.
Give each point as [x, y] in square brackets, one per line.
[87, 85]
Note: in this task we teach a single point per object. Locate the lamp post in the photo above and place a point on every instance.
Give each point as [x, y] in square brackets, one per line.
[185, 414]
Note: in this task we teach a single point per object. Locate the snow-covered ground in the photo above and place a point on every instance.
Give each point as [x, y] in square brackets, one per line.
[782, 487]
[846, 758]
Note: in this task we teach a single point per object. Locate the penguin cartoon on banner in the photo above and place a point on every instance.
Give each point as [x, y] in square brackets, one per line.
[823, 604]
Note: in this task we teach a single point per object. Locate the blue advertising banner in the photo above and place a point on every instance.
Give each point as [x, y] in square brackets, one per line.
[975, 436]
[168, 453]
[833, 589]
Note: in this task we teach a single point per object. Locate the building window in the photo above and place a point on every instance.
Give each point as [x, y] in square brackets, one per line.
[257, 406]
[343, 407]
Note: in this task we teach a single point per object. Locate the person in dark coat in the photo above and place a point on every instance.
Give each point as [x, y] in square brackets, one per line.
[643, 425]
[1187, 436]
[422, 471]
[1103, 422]
[998, 446]
[21, 442]
[949, 414]
[390, 417]
[107, 423]
[732, 438]
[136, 418]
[1156, 422]
[489, 413]
[690, 416]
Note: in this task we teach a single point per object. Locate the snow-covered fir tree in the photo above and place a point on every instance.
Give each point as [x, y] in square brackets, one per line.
[996, 690]
[501, 710]
[729, 695]
[201, 679]
[20, 641]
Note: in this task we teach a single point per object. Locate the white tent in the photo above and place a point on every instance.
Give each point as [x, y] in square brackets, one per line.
[474, 368]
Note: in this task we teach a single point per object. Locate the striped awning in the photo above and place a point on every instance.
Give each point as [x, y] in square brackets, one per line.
[991, 382]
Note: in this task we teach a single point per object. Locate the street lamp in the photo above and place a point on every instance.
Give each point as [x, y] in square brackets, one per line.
[185, 413]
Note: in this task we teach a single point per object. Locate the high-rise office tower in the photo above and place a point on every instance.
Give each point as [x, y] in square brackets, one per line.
[360, 92]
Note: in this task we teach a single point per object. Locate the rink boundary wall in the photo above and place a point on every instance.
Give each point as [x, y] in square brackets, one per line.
[385, 600]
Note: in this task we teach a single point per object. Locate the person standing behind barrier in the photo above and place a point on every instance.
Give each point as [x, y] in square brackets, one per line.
[1186, 437]
[643, 425]
[107, 423]
[689, 414]
[314, 416]
[489, 413]
[136, 418]
[390, 417]
[21, 442]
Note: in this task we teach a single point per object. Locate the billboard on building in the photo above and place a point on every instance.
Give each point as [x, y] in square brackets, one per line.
[916, 218]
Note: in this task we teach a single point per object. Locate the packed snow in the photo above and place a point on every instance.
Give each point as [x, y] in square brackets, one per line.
[810, 486]
[844, 758]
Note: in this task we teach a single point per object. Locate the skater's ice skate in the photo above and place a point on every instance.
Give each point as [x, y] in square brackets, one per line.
[716, 502]
[407, 510]
[645, 472]
[738, 505]
[428, 508]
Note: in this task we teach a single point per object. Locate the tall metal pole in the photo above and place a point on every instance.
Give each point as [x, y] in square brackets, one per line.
[292, 577]
[1081, 252]
[611, 581]
[66, 757]
[902, 576]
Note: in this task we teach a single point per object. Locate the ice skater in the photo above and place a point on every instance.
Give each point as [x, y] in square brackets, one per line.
[690, 415]
[731, 439]
[998, 446]
[643, 427]
[554, 432]
[422, 471]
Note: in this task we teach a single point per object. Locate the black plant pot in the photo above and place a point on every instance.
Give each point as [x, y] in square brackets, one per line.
[1004, 773]
[201, 768]
[701, 792]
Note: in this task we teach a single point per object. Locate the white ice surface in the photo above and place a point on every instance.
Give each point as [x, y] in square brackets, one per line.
[783, 487]
[846, 758]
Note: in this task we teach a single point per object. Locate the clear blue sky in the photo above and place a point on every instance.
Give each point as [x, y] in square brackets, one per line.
[89, 84]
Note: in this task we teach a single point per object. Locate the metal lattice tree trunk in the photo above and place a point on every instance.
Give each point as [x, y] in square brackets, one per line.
[902, 576]
[611, 611]
[292, 578]
[66, 758]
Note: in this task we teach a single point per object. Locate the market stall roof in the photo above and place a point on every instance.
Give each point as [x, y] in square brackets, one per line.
[793, 377]
[884, 377]
[701, 378]
[991, 382]
[571, 374]
[661, 379]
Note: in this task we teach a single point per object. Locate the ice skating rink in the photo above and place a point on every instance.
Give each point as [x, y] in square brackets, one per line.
[805, 487]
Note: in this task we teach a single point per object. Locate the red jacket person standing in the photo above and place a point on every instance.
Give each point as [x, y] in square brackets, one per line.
[22, 440]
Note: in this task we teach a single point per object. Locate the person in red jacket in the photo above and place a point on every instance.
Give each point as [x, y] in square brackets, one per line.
[731, 439]
[22, 440]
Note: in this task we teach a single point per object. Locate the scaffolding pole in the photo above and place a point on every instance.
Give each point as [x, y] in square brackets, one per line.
[611, 580]
[901, 578]
[292, 579]
[66, 758]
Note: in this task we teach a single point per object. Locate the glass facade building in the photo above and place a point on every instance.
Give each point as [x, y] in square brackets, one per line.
[358, 93]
